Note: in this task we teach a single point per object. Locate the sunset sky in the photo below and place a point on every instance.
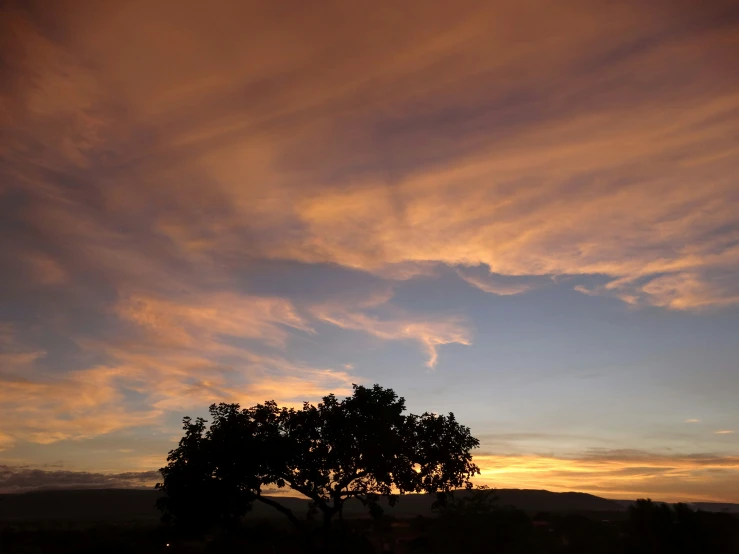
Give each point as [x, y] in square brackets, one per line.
[524, 212]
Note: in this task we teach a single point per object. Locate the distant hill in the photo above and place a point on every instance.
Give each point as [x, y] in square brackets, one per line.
[116, 505]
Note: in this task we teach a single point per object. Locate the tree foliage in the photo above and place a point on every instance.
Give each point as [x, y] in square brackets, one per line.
[364, 446]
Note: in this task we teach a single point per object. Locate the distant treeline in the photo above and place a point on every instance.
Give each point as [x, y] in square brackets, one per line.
[646, 528]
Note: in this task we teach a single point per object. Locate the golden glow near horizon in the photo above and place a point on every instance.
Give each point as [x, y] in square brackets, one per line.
[632, 476]
[520, 212]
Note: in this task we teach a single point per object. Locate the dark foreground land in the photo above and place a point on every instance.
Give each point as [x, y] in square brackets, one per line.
[138, 505]
[125, 521]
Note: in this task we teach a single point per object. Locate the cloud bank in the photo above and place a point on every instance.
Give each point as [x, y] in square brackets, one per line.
[23, 479]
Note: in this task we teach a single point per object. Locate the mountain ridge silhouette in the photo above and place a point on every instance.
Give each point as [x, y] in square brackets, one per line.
[138, 505]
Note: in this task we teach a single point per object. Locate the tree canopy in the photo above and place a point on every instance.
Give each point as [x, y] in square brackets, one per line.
[364, 446]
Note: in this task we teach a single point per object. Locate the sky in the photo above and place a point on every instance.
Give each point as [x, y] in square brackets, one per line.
[526, 213]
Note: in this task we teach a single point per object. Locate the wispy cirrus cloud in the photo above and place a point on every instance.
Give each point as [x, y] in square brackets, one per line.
[170, 356]
[593, 187]
[495, 284]
[431, 334]
[393, 324]
[193, 320]
[6, 441]
[46, 407]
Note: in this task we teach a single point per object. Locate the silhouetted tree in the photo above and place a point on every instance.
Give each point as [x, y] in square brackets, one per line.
[362, 447]
[198, 491]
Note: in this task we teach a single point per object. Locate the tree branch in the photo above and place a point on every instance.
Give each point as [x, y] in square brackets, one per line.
[347, 481]
[352, 493]
[320, 502]
[280, 508]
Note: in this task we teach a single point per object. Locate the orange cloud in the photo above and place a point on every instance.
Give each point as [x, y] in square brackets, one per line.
[6, 441]
[431, 333]
[190, 320]
[175, 356]
[592, 186]
[81, 405]
[618, 474]
[489, 283]
[91, 402]
[187, 355]
[47, 271]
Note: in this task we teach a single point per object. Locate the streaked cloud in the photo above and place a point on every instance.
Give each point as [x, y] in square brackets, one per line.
[45, 269]
[172, 356]
[430, 333]
[487, 282]
[556, 195]
[6, 441]
[189, 321]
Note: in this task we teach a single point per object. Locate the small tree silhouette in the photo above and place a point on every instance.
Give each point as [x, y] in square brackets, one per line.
[362, 447]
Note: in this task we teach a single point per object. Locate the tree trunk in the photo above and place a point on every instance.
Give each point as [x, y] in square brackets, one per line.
[293, 519]
[327, 531]
[339, 506]
[280, 508]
